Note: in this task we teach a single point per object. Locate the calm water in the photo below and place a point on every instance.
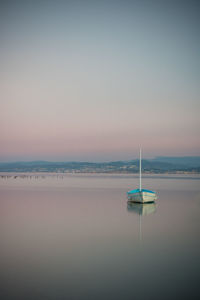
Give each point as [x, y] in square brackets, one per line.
[74, 237]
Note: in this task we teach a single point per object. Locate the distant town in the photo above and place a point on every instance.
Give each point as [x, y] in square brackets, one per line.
[158, 165]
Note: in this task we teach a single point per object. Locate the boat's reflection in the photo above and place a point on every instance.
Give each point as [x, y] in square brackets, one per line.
[141, 208]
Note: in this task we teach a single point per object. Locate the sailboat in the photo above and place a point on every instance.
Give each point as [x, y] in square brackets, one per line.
[141, 195]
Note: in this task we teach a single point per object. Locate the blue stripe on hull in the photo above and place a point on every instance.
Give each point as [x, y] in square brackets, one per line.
[138, 191]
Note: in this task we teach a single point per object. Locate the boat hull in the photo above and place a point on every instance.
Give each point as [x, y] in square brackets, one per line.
[142, 197]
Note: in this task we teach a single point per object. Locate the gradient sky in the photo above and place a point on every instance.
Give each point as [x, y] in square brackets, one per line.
[95, 80]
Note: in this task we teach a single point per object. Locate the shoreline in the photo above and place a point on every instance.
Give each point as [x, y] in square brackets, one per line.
[23, 175]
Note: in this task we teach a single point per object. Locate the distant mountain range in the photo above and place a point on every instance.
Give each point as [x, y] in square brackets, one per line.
[189, 161]
[161, 164]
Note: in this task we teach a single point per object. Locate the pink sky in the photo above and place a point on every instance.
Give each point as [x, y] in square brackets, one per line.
[97, 89]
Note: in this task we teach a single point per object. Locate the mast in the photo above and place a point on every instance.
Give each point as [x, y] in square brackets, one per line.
[140, 170]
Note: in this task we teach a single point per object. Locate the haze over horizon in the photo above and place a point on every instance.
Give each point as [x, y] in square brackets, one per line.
[96, 80]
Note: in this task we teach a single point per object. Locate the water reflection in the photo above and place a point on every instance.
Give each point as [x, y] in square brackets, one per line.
[142, 210]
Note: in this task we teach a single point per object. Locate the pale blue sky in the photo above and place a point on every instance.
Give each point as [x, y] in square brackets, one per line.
[95, 80]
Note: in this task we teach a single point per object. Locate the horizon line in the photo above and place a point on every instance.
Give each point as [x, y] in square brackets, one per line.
[106, 161]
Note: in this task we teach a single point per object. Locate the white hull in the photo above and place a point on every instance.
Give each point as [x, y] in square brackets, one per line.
[142, 197]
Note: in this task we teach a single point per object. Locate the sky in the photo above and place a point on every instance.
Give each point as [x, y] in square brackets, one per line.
[97, 80]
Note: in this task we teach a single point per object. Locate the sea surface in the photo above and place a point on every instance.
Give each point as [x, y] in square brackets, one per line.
[71, 237]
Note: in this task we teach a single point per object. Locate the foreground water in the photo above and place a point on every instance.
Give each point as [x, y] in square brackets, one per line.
[75, 237]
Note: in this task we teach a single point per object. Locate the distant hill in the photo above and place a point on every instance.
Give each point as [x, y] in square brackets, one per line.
[188, 161]
[157, 165]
